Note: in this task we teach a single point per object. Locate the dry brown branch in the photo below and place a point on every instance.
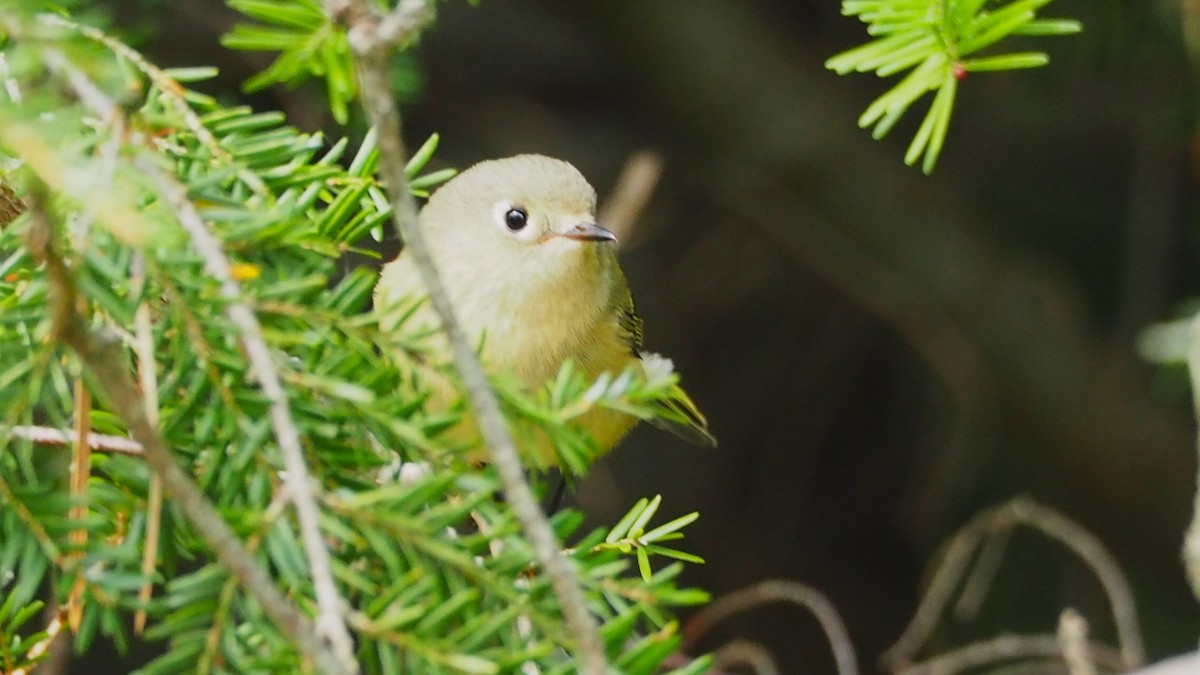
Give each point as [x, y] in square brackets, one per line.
[629, 196]
[1005, 648]
[778, 591]
[104, 360]
[100, 442]
[1020, 511]
[81, 472]
[1073, 641]
[745, 653]
[372, 38]
[987, 564]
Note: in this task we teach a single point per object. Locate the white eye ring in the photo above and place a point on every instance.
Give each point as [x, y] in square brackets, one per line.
[513, 218]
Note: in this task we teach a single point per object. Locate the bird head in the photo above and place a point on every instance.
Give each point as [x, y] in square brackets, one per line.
[528, 218]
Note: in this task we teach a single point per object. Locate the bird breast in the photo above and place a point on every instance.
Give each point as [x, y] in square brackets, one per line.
[531, 322]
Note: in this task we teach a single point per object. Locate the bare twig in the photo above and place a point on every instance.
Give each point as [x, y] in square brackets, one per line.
[106, 363]
[1054, 525]
[1092, 552]
[41, 647]
[987, 564]
[629, 197]
[745, 653]
[81, 471]
[330, 626]
[779, 591]
[1073, 641]
[148, 377]
[403, 23]
[101, 442]
[371, 38]
[1004, 648]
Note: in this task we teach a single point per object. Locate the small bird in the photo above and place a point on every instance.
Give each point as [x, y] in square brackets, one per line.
[532, 276]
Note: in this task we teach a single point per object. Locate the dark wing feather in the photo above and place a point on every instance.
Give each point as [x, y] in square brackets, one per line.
[631, 323]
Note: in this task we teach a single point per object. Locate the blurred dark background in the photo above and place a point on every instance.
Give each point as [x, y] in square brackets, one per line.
[882, 354]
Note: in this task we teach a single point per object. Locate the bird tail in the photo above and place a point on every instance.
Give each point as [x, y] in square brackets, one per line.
[684, 419]
[680, 415]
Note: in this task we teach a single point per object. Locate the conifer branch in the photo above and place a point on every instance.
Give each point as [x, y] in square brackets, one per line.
[330, 624]
[100, 357]
[371, 39]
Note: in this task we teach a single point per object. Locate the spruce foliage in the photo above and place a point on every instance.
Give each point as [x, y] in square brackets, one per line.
[434, 571]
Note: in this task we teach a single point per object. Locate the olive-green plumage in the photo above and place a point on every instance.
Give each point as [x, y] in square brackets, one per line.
[528, 271]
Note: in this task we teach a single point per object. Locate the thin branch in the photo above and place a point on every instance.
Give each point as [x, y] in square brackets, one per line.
[403, 23]
[629, 196]
[81, 471]
[101, 442]
[780, 591]
[983, 572]
[372, 50]
[330, 625]
[106, 363]
[1054, 525]
[1088, 548]
[1073, 641]
[53, 629]
[148, 378]
[745, 653]
[954, 560]
[1005, 648]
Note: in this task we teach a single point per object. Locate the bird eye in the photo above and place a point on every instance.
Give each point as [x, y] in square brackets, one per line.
[516, 219]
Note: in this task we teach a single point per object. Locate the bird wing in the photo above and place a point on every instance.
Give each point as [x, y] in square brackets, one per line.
[631, 323]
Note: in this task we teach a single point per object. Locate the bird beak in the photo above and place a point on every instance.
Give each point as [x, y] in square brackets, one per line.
[588, 232]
